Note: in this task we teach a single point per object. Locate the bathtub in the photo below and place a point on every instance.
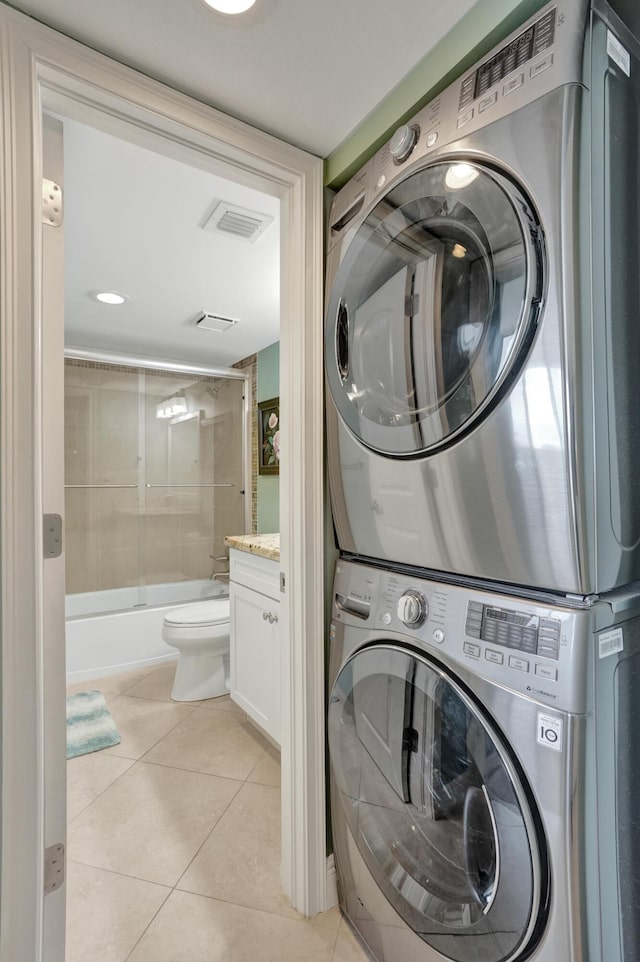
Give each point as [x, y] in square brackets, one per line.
[110, 631]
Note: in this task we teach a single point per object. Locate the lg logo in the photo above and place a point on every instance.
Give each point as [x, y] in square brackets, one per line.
[549, 732]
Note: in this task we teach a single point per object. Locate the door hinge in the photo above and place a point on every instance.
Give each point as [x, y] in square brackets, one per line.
[53, 867]
[52, 535]
[51, 203]
[282, 582]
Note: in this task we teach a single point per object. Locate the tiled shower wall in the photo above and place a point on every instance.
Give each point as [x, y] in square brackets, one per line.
[141, 505]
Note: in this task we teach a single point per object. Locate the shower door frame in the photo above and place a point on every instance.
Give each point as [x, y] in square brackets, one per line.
[184, 368]
[42, 68]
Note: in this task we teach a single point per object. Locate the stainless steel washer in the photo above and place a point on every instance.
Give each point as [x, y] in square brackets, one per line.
[481, 327]
[485, 771]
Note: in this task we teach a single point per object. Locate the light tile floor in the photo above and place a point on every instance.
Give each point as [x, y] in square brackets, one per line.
[174, 839]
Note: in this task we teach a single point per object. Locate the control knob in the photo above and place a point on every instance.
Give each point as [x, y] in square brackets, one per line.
[403, 142]
[412, 609]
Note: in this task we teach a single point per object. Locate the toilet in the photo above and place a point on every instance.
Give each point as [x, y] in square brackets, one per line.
[200, 632]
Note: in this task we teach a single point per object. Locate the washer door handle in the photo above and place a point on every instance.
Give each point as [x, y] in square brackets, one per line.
[342, 340]
[481, 851]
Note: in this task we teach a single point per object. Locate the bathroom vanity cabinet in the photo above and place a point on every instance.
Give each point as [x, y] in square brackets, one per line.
[254, 593]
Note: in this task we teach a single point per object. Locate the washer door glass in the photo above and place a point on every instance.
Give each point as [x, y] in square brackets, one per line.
[435, 806]
[434, 303]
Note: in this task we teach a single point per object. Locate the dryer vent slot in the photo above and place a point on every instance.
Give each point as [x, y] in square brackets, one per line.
[348, 216]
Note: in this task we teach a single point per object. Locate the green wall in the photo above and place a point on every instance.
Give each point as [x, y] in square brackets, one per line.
[268, 386]
[484, 26]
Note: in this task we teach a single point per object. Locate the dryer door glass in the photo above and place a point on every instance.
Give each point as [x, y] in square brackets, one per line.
[434, 305]
[427, 792]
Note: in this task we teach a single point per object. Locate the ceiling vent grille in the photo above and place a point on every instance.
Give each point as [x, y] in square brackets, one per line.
[246, 225]
[214, 322]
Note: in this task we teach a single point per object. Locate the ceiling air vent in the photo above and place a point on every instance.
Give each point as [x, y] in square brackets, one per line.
[238, 222]
[214, 322]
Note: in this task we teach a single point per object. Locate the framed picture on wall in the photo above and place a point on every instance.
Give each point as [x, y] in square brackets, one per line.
[269, 436]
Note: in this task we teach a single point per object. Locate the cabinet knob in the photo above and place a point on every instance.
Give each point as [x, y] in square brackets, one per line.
[265, 615]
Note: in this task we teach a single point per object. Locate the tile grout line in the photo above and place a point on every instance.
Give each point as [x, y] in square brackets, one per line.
[148, 926]
[164, 735]
[196, 771]
[209, 834]
[112, 871]
[133, 761]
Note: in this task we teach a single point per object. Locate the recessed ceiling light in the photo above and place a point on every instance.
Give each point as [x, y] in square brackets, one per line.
[110, 297]
[230, 6]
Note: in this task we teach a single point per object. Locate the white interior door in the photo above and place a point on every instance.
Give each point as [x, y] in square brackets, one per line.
[53, 627]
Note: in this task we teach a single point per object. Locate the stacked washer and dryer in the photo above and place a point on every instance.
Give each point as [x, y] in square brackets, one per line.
[483, 405]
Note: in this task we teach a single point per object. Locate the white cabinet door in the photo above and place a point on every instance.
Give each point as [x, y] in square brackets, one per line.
[255, 657]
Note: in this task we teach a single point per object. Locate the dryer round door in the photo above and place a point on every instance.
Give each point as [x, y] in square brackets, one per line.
[436, 806]
[433, 308]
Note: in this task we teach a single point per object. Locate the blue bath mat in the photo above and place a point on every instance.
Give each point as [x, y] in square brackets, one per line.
[90, 726]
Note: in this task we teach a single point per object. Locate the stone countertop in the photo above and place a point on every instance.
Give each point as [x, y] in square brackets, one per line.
[265, 545]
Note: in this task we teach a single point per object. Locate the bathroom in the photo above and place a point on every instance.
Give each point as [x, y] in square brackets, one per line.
[160, 466]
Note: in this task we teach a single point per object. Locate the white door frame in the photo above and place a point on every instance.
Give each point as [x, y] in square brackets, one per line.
[37, 66]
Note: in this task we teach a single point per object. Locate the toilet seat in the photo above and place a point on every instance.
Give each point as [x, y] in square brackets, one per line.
[201, 613]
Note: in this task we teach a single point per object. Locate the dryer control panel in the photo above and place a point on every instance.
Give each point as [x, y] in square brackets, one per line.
[544, 54]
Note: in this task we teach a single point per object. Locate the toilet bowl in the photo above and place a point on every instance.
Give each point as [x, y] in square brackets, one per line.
[200, 632]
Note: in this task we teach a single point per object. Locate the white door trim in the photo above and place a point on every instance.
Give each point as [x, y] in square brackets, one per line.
[38, 65]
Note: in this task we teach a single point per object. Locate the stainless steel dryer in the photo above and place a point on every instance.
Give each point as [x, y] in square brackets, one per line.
[485, 771]
[482, 354]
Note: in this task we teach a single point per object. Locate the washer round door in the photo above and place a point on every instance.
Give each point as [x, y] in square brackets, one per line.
[434, 802]
[433, 308]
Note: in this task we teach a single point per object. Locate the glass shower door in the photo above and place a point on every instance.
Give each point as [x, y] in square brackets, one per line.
[101, 478]
[154, 482]
[194, 488]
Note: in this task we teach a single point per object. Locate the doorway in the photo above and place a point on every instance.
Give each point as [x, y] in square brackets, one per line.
[44, 69]
[175, 812]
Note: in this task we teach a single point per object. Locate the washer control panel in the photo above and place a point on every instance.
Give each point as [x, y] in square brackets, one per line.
[537, 648]
[514, 629]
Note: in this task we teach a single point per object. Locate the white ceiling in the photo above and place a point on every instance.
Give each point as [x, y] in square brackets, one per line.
[133, 224]
[308, 71]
